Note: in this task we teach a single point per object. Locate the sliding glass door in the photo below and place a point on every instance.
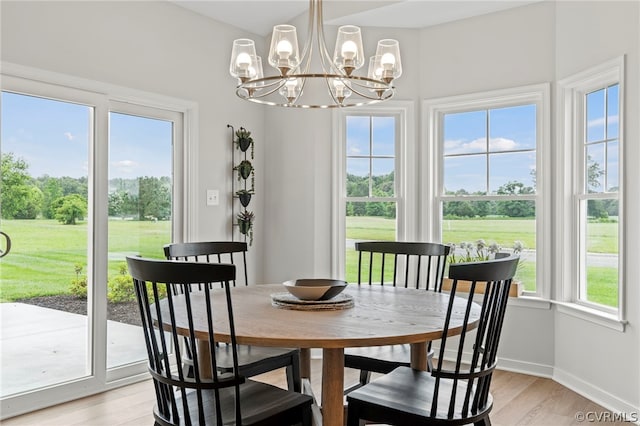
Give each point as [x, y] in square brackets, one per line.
[44, 209]
[140, 213]
[86, 181]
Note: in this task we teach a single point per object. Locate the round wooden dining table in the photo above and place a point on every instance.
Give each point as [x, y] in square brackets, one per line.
[380, 315]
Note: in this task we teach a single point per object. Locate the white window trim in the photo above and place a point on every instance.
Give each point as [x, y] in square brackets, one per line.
[434, 109]
[102, 96]
[571, 91]
[406, 180]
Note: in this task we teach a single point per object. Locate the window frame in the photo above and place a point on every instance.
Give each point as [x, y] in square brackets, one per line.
[571, 164]
[434, 111]
[405, 175]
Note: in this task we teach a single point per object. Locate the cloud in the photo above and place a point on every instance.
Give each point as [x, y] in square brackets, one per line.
[125, 166]
[69, 136]
[613, 119]
[125, 163]
[479, 145]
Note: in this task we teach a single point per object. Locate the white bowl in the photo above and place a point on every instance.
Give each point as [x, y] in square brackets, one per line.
[315, 289]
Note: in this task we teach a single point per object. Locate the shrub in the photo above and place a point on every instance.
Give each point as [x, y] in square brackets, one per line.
[121, 288]
[78, 285]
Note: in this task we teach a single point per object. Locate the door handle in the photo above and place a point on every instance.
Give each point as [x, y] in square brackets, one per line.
[7, 249]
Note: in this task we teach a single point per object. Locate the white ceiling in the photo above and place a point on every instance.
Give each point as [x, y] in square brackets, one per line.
[259, 16]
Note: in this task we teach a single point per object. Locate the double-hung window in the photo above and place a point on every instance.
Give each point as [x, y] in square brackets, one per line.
[371, 180]
[489, 180]
[591, 130]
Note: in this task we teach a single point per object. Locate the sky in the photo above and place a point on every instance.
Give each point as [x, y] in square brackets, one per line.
[53, 138]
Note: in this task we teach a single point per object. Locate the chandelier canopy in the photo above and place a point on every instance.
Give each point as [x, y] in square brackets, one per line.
[335, 84]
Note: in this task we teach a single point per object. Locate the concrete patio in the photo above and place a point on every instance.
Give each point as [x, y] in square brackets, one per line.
[40, 347]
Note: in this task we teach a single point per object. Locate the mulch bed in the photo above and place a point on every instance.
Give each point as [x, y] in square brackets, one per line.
[126, 312]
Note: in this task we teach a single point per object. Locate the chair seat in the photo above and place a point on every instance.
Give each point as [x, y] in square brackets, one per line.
[262, 404]
[406, 396]
[254, 360]
[379, 359]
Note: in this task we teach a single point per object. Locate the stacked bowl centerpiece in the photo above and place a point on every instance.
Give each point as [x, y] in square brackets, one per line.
[315, 289]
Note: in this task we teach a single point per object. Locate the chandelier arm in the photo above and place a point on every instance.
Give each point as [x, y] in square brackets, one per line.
[273, 84]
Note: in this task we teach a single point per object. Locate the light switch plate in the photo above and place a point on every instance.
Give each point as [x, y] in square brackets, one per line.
[213, 197]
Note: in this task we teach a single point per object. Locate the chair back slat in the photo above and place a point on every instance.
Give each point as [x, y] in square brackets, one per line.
[414, 265]
[167, 317]
[233, 252]
[462, 389]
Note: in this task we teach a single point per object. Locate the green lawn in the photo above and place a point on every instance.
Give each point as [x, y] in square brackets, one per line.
[602, 239]
[44, 253]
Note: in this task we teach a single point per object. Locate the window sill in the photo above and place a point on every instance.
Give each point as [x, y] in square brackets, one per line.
[592, 315]
[531, 302]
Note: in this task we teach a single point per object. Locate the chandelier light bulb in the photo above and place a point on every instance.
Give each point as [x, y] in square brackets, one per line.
[243, 61]
[349, 50]
[284, 49]
[388, 61]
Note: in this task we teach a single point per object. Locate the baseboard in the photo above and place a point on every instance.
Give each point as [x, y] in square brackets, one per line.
[523, 367]
[600, 397]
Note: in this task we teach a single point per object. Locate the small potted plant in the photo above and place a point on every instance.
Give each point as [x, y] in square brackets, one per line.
[245, 196]
[243, 139]
[244, 169]
[245, 224]
[480, 251]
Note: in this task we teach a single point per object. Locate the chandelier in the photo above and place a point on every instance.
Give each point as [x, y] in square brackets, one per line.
[335, 84]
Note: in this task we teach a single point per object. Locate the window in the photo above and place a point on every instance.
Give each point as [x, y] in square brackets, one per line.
[592, 106]
[371, 180]
[488, 181]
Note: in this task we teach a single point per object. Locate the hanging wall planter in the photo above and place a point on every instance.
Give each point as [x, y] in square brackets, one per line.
[245, 224]
[244, 169]
[243, 139]
[244, 196]
[243, 221]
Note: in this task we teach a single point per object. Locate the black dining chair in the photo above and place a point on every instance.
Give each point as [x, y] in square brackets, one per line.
[252, 360]
[452, 392]
[419, 265]
[226, 398]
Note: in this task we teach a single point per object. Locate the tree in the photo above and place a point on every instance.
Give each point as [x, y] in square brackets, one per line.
[19, 196]
[516, 208]
[154, 198]
[594, 173]
[70, 208]
[51, 190]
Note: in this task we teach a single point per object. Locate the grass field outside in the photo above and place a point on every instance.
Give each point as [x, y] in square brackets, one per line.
[603, 281]
[45, 253]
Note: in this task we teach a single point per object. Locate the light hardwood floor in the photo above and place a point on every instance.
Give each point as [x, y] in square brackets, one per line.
[518, 400]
